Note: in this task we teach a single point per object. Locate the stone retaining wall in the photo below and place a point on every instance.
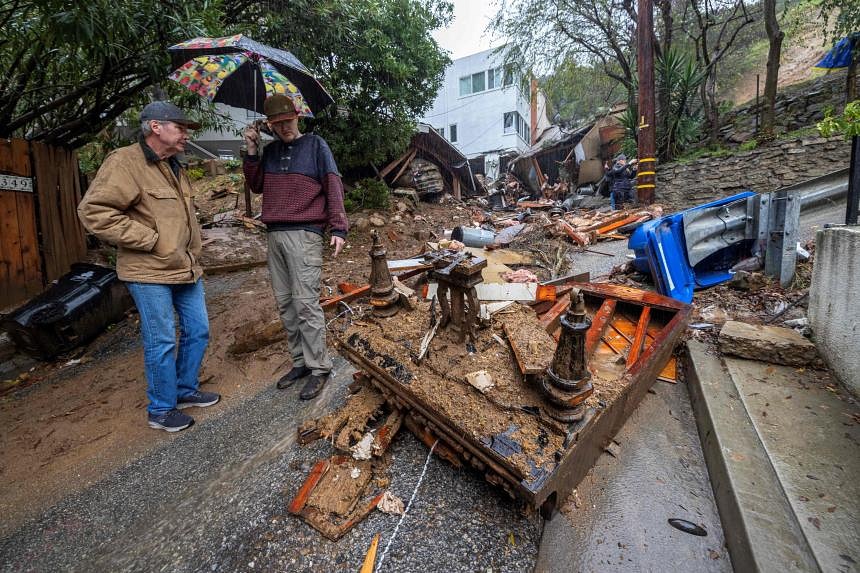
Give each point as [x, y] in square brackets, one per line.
[797, 106]
[764, 169]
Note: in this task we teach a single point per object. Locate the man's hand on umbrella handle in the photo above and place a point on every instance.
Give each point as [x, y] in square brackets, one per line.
[337, 243]
[252, 139]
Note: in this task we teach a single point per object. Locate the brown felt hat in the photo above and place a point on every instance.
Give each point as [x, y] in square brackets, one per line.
[279, 107]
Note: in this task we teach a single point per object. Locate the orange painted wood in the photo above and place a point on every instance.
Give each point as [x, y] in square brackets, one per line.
[639, 336]
[617, 224]
[331, 303]
[549, 320]
[301, 499]
[598, 325]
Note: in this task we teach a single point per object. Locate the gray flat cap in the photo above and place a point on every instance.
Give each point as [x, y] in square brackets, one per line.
[166, 111]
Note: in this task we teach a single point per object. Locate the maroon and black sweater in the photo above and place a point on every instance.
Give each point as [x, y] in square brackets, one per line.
[300, 184]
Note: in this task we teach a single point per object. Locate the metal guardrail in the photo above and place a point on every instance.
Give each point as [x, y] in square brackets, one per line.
[825, 189]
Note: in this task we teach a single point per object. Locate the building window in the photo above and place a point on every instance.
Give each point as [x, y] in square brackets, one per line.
[510, 122]
[465, 86]
[452, 131]
[514, 123]
[441, 131]
[483, 80]
[494, 78]
[509, 75]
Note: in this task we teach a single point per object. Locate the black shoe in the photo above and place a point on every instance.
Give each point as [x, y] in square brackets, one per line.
[290, 377]
[313, 386]
[200, 399]
[172, 421]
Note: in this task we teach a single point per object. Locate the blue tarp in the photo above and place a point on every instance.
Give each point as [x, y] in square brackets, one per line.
[840, 55]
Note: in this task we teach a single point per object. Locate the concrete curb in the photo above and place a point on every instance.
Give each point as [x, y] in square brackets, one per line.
[761, 528]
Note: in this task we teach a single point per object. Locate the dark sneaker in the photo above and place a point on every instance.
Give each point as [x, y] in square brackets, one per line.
[199, 399]
[313, 386]
[290, 377]
[172, 421]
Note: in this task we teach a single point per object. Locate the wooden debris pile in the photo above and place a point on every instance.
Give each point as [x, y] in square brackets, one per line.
[344, 489]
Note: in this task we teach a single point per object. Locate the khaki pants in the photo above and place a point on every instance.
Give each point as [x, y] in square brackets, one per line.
[295, 265]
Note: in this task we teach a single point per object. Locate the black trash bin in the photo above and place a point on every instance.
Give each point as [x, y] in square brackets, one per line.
[71, 312]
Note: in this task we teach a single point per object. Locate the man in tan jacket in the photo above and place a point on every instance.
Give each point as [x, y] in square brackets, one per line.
[140, 201]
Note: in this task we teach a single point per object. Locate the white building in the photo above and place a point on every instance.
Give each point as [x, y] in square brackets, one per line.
[226, 141]
[481, 107]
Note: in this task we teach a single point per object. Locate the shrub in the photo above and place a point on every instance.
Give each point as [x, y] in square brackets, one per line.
[748, 145]
[195, 173]
[232, 164]
[367, 194]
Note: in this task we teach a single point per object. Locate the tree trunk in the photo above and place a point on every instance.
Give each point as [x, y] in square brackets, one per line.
[851, 86]
[774, 37]
[713, 109]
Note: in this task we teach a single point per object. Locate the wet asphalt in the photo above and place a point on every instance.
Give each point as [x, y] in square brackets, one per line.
[214, 498]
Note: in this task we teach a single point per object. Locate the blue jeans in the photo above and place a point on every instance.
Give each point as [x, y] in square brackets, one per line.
[171, 373]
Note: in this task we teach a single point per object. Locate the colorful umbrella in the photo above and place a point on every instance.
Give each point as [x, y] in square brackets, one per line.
[238, 71]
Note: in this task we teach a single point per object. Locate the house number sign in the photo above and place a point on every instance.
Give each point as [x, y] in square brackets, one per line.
[16, 183]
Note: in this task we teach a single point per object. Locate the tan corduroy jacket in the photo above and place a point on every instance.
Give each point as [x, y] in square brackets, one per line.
[138, 204]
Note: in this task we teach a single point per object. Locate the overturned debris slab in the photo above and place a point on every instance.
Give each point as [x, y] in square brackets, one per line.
[506, 431]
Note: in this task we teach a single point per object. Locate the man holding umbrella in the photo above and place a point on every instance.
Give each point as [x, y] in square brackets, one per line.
[140, 201]
[302, 198]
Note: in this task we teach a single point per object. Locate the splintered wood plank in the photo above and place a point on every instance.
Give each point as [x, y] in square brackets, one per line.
[639, 335]
[331, 303]
[598, 325]
[532, 345]
[301, 499]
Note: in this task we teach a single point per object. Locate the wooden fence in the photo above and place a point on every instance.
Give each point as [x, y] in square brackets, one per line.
[40, 235]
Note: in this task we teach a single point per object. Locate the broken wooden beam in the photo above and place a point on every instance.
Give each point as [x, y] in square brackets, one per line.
[331, 303]
[298, 504]
[598, 325]
[639, 335]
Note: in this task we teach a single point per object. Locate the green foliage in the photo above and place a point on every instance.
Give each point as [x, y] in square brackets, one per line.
[577, 92]
[847, 124]
[73, 68]
[232, 164]
[677, 77]
[377, 59]
[748, 145]
[195, 173]
[544, 36]
[367, 194]
[847, 18]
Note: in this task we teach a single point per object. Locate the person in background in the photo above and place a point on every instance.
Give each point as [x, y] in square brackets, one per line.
[140, 201]
[302, 199]
[621, 176]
